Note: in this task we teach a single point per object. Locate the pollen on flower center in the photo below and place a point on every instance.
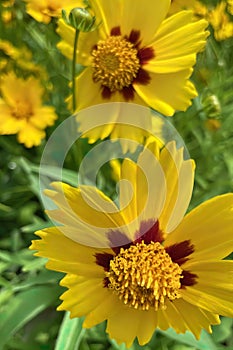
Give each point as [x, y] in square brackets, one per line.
[115, 63]
[144, 276]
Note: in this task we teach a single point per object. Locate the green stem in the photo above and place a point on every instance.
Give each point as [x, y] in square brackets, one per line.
[73, 69]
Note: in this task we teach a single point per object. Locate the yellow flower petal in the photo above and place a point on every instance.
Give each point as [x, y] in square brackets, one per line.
[82, 296]
[134, 13]
[168, 92]
[30, 136]
[211, 299]
[43, 117]
[16, 89]
[76, 258]
[182, 51]
[123, 326]
[148, 325]
[179, 175]
[109, 305]
[8, 124]
[179, 313]
[133, 191]
[154, 189]
[209, 226]
[109, 12]
[88, 203]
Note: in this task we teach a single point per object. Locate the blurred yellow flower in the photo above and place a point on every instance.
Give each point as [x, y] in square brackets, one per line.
[142, 265]
[6, 16]
[220, 21]
[19, 58]
[218, 17]
[213, 124]
[44, 10]
[196, 6]
[9, 50]
[128, 58]
[230, 6]
[21, 110]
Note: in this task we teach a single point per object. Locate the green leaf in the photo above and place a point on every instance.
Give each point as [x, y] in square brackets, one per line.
[23, 307]
[68, 176]
[222, 331]
[70, 333]
[205, 342]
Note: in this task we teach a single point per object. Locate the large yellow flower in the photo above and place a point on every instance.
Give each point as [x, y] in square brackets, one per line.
[142, 266]
[21, 110]
[44, 10]
[136, 55]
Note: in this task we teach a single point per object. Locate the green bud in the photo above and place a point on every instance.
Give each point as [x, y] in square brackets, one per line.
[81, 19]
[212, 106]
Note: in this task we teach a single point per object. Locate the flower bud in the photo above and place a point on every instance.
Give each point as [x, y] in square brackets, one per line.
[212, 106]
[80, 19]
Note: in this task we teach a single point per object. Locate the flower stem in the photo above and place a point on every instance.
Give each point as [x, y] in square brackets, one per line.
[73, 69]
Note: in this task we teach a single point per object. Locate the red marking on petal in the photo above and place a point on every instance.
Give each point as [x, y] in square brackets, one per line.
[128, 93]
[134, 37]
[145, 54]
[106, 93]
[179, 252]
[106, 282]
[115, 31]
[103, 259]
[189, 279]
[142, 77]
[149, 232]
[118, 240]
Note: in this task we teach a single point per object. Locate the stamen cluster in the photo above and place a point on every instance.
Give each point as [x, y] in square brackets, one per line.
[144, 276]
[115, 63]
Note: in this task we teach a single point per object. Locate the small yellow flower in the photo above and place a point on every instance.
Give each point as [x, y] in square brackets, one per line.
[21, 110]
[7, 16]
[220, 21]
[230, 6]
[128, 58]
[142, 265]
[213, 124]
[218, 17]
[19, 58]
[44, 10]
[9, 50]
[197, 7]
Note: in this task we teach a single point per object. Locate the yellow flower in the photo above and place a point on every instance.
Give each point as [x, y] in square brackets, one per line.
[19, 58]
[44, 10]
[230, 6]
[7, 16]
[9, 50]
[220, 21]
[196, 6]
[142, 265]
[21, 110]
[130, 123]
[213, 124]
[136, 55]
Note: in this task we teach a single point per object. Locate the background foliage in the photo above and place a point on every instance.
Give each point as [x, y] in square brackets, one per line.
[30, 293]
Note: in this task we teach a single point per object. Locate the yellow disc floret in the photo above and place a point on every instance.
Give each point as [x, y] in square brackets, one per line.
[144, 276]
[115, 63]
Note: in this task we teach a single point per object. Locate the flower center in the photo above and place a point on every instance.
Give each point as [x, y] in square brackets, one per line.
[115, 63]
[21, 111]
[144, 276]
